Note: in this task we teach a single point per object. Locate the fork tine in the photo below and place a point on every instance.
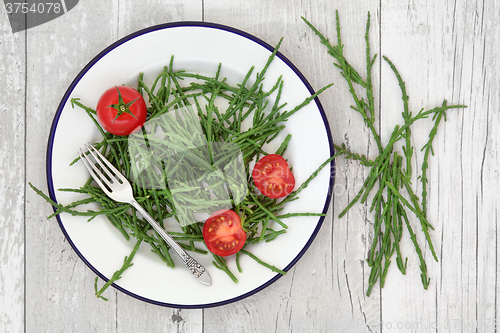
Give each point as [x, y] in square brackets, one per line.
[110, 169]
[94, 172]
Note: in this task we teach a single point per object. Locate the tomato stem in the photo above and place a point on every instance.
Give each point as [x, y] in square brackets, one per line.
[121, 107]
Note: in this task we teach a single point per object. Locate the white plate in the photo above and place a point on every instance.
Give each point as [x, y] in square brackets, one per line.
[196, 47]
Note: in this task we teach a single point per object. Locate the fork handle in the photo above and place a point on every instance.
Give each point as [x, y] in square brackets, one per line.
[198, 271]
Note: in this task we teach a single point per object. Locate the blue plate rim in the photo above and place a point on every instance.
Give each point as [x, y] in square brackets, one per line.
[176, 25]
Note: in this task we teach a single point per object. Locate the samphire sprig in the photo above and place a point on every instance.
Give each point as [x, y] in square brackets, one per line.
[394, 202]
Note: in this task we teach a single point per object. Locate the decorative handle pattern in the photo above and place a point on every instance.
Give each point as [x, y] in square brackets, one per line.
[193, 265]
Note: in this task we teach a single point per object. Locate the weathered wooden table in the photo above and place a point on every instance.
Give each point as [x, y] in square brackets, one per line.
[443, 49]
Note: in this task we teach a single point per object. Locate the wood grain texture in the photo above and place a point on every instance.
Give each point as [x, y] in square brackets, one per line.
[445, 49]
[12, 176]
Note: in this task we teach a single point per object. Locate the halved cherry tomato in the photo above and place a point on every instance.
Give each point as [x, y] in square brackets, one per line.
[273, 177]
[121, 110]
[223, 233]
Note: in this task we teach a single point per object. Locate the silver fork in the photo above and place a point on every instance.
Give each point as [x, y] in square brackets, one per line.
[117, 187]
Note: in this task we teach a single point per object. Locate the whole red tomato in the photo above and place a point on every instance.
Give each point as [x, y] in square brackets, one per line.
[121, 110]
[223, 233]
[273, 177]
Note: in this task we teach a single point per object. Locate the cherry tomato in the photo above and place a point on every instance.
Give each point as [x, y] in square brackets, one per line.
[223, 233]
[121, 110]
[273, 177]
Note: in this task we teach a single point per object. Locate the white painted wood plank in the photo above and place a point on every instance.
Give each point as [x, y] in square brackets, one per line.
[60, 292]
[134, 15]
[408, 41]
[442, 50]
[325, 291]
[12, 177]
